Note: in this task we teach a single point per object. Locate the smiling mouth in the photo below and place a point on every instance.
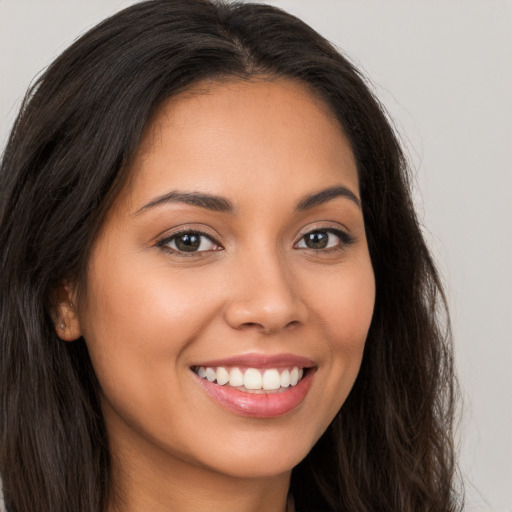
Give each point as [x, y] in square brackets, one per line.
[257, 385]
[253, 380]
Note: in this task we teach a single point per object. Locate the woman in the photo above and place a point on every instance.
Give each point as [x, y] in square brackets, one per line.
[215, 292]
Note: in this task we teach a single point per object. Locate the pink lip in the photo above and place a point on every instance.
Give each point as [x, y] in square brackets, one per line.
[259, 405]
[254, 360]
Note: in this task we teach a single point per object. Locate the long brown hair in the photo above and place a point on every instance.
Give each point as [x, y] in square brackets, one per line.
[390, 447]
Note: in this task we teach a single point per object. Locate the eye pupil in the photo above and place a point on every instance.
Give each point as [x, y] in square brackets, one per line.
[317, 239]
[188, 242]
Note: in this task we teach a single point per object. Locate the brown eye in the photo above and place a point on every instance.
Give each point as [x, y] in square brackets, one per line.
[190, 241]
[324, 239]
[316, 240]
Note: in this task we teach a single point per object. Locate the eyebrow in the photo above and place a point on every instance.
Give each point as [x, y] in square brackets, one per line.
[207, 201]
[325, 195]
[221, 204]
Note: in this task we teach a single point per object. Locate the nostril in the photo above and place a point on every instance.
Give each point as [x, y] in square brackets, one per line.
[251, 325]
[268, 329]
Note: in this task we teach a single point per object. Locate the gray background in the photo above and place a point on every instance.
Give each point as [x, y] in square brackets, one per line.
[443, 69]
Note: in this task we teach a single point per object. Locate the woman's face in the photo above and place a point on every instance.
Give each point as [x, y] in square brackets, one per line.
[233, 263]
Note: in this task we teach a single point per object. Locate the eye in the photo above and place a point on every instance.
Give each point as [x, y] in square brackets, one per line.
[189, 242]
[321, 239]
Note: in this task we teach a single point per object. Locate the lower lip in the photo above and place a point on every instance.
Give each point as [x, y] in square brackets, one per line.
[258, 405]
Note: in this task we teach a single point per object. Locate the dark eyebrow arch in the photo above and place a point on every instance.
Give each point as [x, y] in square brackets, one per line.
[207, 201]
[323, 196]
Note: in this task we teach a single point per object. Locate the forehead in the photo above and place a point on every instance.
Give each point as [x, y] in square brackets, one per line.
[223, 137]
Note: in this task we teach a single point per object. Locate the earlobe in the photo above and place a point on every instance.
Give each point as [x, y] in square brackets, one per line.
[64, 313]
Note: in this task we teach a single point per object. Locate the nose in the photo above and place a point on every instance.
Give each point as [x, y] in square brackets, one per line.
[263, 295]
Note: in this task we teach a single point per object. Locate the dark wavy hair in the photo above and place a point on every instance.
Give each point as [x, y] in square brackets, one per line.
[390, 447]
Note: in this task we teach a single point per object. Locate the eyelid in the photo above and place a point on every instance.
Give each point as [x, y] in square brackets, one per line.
[335, 227]
[342, 233]
[202, 229]
[169, 236]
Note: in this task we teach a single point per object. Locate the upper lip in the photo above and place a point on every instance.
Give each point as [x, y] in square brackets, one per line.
[258, 360]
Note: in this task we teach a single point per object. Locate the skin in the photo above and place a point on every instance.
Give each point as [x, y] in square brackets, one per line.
[152, 312]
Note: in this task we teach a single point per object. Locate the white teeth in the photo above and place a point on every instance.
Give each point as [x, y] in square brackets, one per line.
[252, 379]
[211, 374]
[222, 376]
[236, 378]
[285, 379]
[271, 380]
[294, 376]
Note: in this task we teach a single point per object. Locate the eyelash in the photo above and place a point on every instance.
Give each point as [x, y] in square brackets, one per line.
[345, 240]
[165, 242]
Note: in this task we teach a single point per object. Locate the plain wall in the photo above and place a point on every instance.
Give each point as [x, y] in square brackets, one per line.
[443, 69]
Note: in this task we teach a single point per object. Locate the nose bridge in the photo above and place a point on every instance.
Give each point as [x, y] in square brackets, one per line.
[264, 294]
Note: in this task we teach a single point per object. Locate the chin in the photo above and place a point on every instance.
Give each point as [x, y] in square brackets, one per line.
[265, 457]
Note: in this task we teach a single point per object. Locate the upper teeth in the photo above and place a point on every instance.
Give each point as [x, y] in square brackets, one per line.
[252, 378]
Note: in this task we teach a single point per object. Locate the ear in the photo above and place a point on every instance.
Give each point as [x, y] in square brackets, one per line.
[64, 313]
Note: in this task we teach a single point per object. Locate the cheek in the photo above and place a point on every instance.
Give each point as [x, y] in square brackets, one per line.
[145, 308]
[352, 318]
[137, 325]
[344, 306]
[344, 311]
